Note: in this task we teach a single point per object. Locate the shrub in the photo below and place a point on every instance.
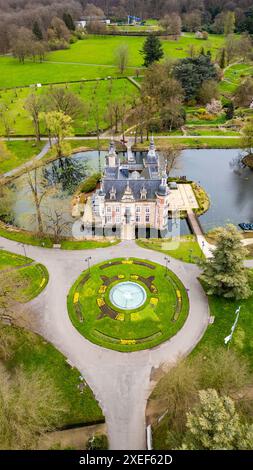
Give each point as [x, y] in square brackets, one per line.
[90, 183]
[98, 442]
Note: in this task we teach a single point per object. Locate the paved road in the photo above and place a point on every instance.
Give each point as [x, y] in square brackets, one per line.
[121, 382]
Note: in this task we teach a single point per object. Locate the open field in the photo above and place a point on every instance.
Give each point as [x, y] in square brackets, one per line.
[93, 57]
[93, 94]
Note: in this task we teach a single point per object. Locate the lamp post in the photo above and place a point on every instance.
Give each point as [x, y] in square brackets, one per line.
[24, 248]
[203, 246]
[167, 261]
[87, 260]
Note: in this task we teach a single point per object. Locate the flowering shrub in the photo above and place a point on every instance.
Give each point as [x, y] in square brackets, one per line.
[128, 341]
[215, 107]
[76, 297]
[102, 289]
[100, 302]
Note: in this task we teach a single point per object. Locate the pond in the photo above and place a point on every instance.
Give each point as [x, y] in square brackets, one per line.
[230, 188]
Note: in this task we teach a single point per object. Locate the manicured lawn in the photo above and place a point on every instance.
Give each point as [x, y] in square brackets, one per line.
[27, 281]
[159, 318]
[224, 312]
[8, 260]
[101, 93]
[185, 250]
[233, 76]
[32, 353]
[96, 51]
[21, 152]
[85, 245]
[25, 237]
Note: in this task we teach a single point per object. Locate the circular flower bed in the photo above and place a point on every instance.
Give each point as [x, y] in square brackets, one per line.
[128, 305]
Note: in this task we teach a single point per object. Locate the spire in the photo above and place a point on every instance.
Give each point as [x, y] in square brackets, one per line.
[152, 155]
[130, 155]
[112, 149]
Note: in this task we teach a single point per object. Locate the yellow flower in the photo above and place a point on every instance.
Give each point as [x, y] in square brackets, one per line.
[178, 294]
[42, 282]
[127, 261]
[134, 276]
[128, 341]
[76, 297]
[154, 301]
[100, 302]
[102, 289]
[120, 317]
[121, 276]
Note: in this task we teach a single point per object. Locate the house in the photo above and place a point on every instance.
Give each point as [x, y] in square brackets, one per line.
[133, 194]
[89, 19]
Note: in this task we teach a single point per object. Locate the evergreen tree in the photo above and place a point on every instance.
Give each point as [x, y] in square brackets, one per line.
[193, 71]
[37, 31]
[152, 50]
[214, 424]
[224, 274]
[223, 59]
[68, 20]
[229, 110]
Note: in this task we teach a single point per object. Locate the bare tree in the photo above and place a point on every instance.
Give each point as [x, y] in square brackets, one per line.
[170, 156]
[57, 224]
[64, 100]
[33, 105]
[30, 406]
[39, 190]
[5, 119]
[122, 57]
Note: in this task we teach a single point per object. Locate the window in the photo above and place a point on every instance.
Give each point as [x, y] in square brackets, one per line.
[117, 209]
[138, 219]
[109, 210]
[138, 209]
[108, 219]
[118, 220]
[147, 219]
[147, 210]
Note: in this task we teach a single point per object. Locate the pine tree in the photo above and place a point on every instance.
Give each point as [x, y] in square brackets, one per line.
[68, 20]
[152, 50]
[37, 31]
[224, 274]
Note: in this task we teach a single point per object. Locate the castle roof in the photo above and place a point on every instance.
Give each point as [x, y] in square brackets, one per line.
[136, 186]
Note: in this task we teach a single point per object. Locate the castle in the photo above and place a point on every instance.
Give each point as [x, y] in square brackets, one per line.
[132, 194]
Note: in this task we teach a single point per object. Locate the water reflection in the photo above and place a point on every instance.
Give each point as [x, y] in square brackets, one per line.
[230, 186]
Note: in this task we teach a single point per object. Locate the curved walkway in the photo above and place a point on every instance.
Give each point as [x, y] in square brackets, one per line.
[121, 381]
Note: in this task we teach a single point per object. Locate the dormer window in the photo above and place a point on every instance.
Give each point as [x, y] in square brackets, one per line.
[113, 194]
[143, 193]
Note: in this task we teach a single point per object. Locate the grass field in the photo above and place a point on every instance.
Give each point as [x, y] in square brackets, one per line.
[20, 153]
[223, 311]
[97, 52]
[159, 318]
[100, 93]
[26, 280]
[33, 353]
[186, 250]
